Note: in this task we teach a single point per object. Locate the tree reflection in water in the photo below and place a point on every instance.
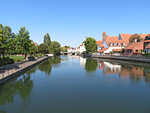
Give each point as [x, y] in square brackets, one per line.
[47, 65]
[91, 65]
[21, 86]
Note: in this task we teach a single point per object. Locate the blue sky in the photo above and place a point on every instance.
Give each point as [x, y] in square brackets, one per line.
[69, 21]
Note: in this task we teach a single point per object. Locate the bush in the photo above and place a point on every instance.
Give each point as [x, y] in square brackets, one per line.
[6, 61]
[31, 58]
[146, 55]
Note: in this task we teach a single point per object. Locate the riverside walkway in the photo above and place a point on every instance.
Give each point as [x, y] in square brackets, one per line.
[9, 71]
[124, 58]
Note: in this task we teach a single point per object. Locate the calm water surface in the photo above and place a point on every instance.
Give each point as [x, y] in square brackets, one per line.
[79, 85]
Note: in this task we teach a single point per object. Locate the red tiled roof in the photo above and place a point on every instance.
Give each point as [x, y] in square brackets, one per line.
[101, 45]
[101, 51]
[143, 35]
[132, 45]
[99, 42]
[35, 44]
[148, 46]
[81, 44]
[117, 50]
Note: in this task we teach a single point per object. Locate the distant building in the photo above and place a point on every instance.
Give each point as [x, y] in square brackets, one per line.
[82, 48]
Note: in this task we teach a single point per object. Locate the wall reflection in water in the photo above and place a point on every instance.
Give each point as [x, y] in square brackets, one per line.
[134, 71]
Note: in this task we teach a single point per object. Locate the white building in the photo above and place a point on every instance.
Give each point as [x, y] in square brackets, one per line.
[82, 48]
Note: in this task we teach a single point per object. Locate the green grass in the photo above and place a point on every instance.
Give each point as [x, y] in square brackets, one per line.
[17, 58]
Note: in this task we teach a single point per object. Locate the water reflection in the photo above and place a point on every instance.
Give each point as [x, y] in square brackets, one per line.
[134, 72]
[91, 65]
[47, 65]
[21, 86]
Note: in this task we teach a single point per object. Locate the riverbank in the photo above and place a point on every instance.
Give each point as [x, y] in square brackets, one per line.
[17, 68]
[123, 58]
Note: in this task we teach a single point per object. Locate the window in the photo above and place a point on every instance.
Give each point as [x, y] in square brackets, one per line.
[136, 51]
[110, 44]
[114, 44]
[123, 44]
[118, 44]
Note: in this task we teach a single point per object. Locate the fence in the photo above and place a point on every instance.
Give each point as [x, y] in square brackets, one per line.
[8, 70]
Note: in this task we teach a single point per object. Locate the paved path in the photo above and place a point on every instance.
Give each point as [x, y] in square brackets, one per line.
[14, 68]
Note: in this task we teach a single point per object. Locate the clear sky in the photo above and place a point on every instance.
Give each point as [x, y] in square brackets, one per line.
[69, 21]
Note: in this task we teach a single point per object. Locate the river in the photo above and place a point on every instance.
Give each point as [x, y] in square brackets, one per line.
[72, 84]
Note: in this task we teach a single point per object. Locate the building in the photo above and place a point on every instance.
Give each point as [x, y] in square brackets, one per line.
[114, 44]
[137, 48]
[82, 48]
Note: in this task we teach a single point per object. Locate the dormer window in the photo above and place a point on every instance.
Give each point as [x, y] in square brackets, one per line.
[110, 44]
[123, 44]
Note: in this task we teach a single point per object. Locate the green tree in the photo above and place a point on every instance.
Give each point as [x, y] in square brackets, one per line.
[5, 39]
[43, 48]
[47, 39]
[90, 45]
[23, 41]
[135, 37]
[55, 48]
[63, 49]
[33, 49]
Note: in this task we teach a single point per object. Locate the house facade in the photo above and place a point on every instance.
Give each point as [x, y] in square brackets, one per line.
[113, 44]
[120, 45]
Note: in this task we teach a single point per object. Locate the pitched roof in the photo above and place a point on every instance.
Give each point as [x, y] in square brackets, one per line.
[99, 42]
[148, 46]
[132, 45]
[35, 44]
[102, 50]
[117, 50]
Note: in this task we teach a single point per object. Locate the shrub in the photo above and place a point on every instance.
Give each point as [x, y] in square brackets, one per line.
[31, 58]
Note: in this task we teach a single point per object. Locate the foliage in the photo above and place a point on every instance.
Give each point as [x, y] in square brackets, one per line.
[133, 37]
[17, 58]
[91, 65]
[33, 49]
[47, 39]
[23, 42]
[31, 58]
[90, 45]
[146, 55]
[55, 48]
[5, 39]
[43, 48]
[5, 61]
[63, 49]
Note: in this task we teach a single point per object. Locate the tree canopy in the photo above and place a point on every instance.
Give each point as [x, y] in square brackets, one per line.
[133, 37]
[47, 39]
[55, 48]
[90, 45]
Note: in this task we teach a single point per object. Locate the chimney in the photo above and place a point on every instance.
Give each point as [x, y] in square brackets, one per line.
[104, 35]
[135, 40]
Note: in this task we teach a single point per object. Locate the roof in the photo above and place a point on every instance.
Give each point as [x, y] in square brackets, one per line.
[148, 46]
[102, 50]
[35, 44]
[117, 50]
[99, 42]
[132, 45]
[81, 44]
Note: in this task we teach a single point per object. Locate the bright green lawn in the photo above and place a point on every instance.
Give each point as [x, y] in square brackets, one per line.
[17, 58]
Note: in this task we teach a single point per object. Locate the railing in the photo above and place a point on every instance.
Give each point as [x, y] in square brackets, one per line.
[17, 67]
